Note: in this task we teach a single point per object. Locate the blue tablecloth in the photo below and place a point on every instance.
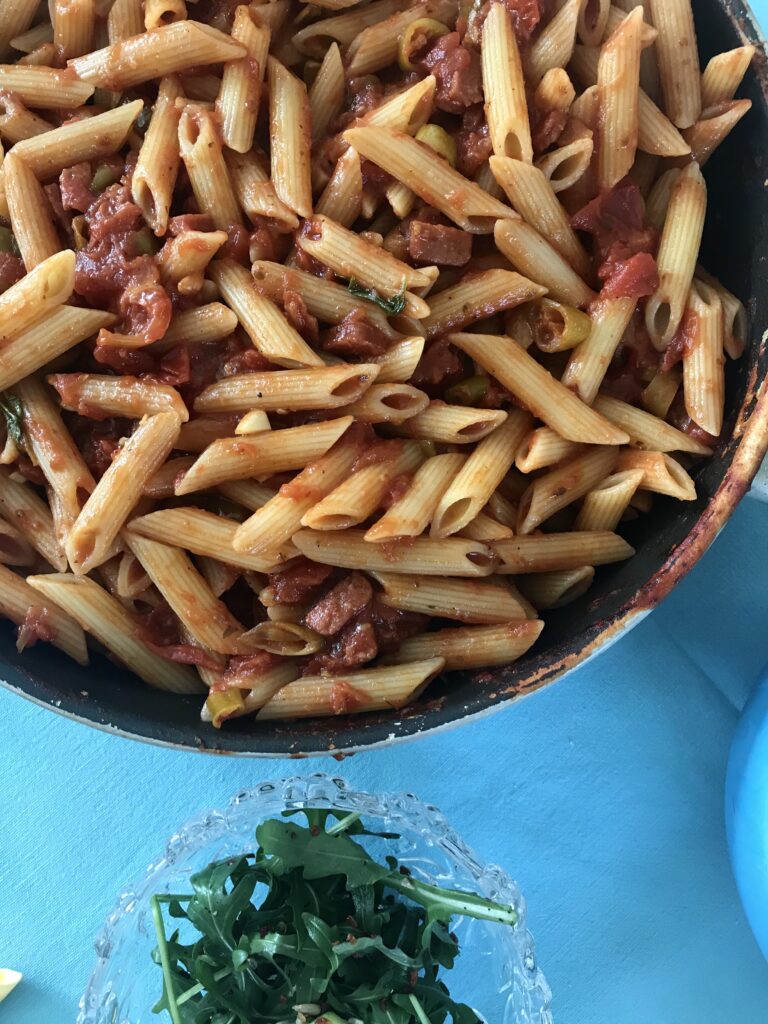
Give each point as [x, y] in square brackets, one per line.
[602, 795]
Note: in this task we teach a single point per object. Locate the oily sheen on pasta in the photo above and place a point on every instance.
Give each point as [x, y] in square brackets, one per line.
[339, 340]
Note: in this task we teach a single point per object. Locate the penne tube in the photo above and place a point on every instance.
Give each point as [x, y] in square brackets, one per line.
[648, 431]
[124, 20]
[480, 475]
[30, 213]
[542, 448]
[412, 513]
[352, 256]
[18, 15]
[506, 108]
[36, 295]
[678, 56]
[267, 328]
[254, 422]
[406, 111]
[429, 176]
[87, 139]
[563, 485]
[469, 647]
[356, 498]
[555, 93]
[91, 394]
[477, 298]
[314, 39]
[427, 556]
[604, 507]
[554, 46]
[21, 506]
[590, 360]
[376, 46]
[565, 166]
[722, 76]
[618, 86]
[706, 135]
[163, 51]
[485, 527]
[117, 492]
[326, 300]
[677, 255]
[154, 177]
[342, 198]
[553, 552]
[163, 12]
[321, 387]
[618, 14]
[533, 256]
[703, 361]
[219, 577]
[25, 605]
[452, 424]
[556, 589]
[237, 104]
[276, 519]
[538, 390]
[326, 94]
[198, 433]
[205, 618]
[62, 329]
[73, 27]
[52, 447]
[593, 21]
[14, 548]
[248, 493]
[255, 192]
[44, 88]
[504, 510]
[530, 193]
[372, 689]
[290, 138]
[212, 322]
[400, 360]
[105, 618]
[644, 171]
[475, 602]
[183, 259]
[661, 473]
[657, 203]
[17, 122]
[201, 151]
[735, 325]
[238, 458]
[388, 403]
[250, 697]
[204, 534]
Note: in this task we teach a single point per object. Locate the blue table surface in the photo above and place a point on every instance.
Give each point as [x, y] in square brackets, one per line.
[602, 795]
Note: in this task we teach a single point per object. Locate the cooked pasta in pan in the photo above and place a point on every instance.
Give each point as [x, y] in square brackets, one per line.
[339, 340]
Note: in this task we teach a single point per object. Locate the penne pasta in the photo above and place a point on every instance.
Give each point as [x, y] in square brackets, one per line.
[18, 15]
[453, 424]
[476, 298]
[342, 198]
[678, 56]
[201, 151]
[554, 46]
[556, 589]
[703, 362]
[353, 692]
[545, 396]
[411, 514]
[541, 448]
[468, 647]
[39, 618]
[554, 552]
[238, 458]
[105, 618]
[21, 506]
[290, 138]
[563, 485]
[533, 256]
[31, 215]
[237, 104]
[480, 475]
[326, 94]
[588, 364]
[565, 166]
[724, 74]
[102, 396]
[154, 177]
[661, 474]
[475, 602]
[388, 403]
[618, 87]
[648, 431]
[255, 192]
[427, 556]
[706, 135]
[603, 507]
[322, 387]
[506, 108]
[117, 492]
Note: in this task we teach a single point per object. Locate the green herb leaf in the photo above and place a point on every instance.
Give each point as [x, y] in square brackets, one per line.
[393, 306]
[13, 411]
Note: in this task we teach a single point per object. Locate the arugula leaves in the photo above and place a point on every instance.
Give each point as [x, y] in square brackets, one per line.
[312, 928]
[13, 411]
[392, 306]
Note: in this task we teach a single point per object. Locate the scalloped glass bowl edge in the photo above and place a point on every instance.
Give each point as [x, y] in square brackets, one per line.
[496, 972]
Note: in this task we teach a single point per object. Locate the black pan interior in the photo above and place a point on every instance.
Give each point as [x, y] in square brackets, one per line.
[735, 249]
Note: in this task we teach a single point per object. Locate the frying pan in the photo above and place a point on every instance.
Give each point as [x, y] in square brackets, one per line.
[668, 542]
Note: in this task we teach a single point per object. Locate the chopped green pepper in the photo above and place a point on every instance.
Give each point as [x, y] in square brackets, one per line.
[468, 391]
[103, 177]
[437, 138]
[145, 242]
[416, 37]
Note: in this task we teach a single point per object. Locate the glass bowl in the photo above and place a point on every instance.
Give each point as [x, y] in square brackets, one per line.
[496, 972]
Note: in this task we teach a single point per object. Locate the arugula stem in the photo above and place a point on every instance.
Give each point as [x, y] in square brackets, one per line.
[165, 960]
[419, 1010]
[450, 901]
[343, 823]
[187, 994]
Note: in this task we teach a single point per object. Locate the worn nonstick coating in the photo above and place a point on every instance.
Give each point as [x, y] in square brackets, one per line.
[669, 541]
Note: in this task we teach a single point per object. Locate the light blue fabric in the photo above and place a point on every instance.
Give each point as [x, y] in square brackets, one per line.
[602, 795]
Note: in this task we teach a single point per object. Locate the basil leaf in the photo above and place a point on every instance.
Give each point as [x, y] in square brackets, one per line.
[13, 411]
[392, 306]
